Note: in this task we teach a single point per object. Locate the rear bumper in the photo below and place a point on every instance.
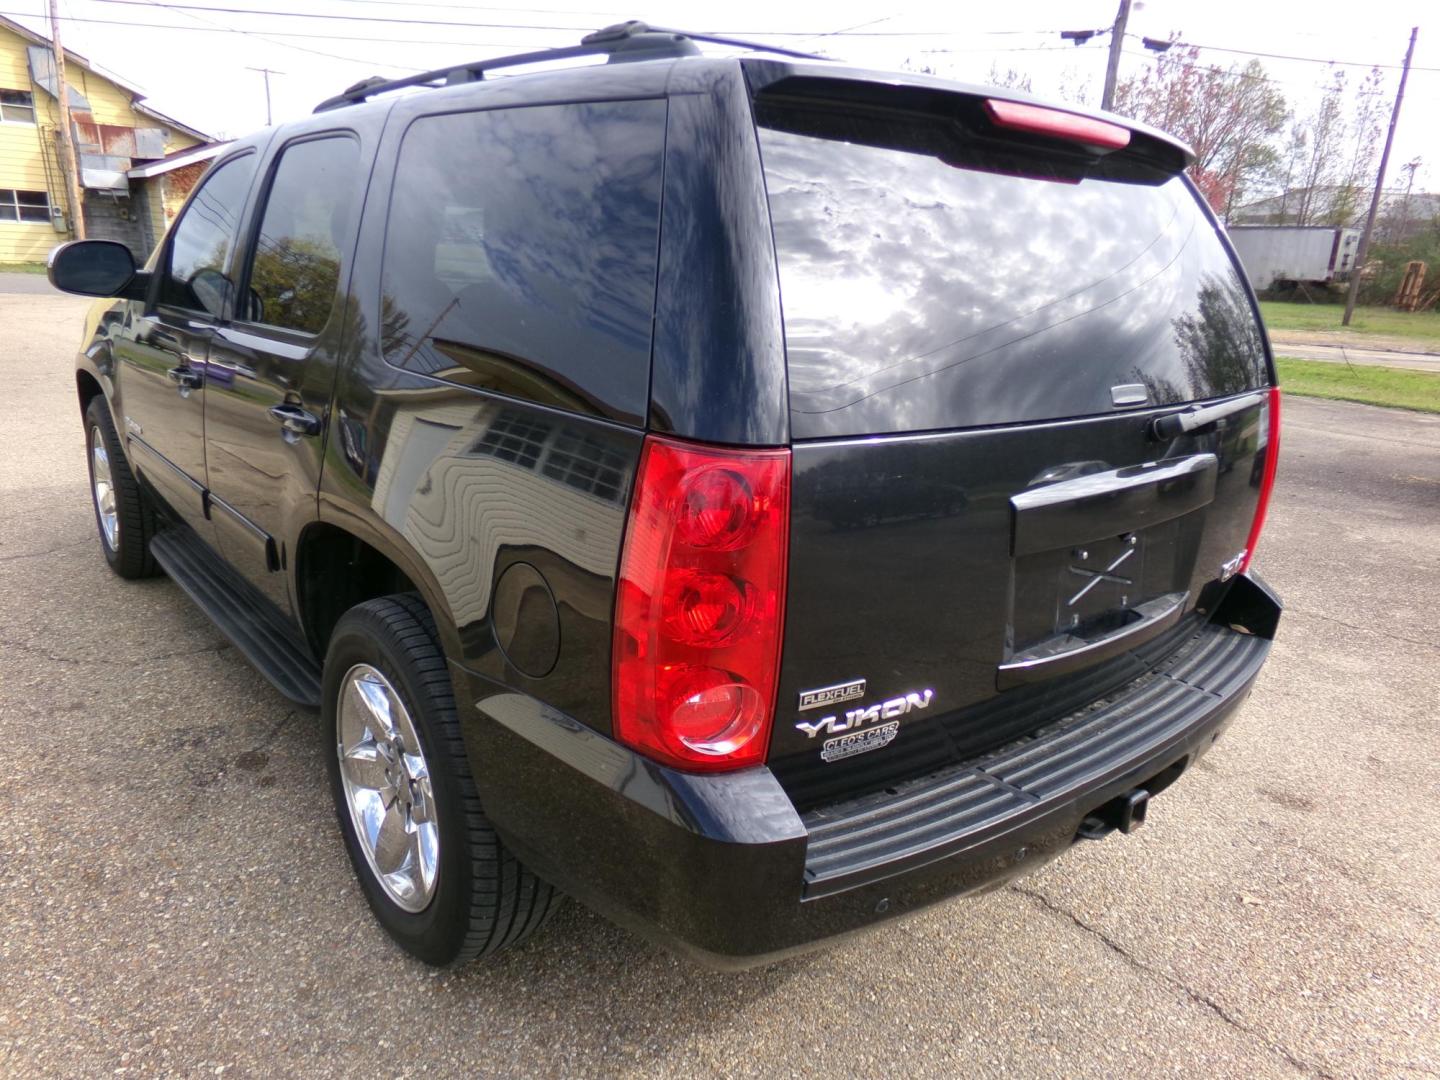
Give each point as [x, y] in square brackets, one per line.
[723, 869]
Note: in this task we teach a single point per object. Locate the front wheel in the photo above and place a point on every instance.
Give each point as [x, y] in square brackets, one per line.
[123, 514]
[434, 872]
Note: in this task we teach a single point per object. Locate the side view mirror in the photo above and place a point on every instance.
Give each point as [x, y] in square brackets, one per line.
[96, 268]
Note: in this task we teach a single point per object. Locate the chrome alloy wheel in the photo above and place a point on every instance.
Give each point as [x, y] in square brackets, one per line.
[102, 486]
[387, 787]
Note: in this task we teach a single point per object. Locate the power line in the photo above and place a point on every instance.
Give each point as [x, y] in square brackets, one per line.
[290, 45]
[1153, 59]
[274, 13]
[1286, 56]
[1012, 49]
[847, 29]
[268, 34]
[478, 7]
[270, 13]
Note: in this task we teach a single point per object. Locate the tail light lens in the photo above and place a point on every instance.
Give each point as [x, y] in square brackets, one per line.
[700, 604]
[1270, 425]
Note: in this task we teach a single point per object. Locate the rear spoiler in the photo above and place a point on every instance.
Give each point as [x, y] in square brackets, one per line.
[987, 114]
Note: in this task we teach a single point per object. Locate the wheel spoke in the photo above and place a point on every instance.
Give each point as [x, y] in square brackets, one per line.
[372, 697]
[364, 766]
[393, 842]
[427, 851]
[405, 731]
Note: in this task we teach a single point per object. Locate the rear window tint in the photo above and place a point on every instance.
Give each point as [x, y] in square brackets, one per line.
[520, 252]
[928, 285]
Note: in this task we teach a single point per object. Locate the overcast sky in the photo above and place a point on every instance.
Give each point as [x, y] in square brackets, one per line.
[195, 68]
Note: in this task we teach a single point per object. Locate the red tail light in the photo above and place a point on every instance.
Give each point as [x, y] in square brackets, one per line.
[700, 604]
[1038, 120]
[1271, 425]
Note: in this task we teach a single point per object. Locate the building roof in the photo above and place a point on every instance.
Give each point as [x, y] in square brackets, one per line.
[1421, 204]
[178, 160]
[136, 94]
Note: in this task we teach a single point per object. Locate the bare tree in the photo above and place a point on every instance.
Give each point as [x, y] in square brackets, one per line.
[1293, 159]
[1325, 147]
[1077, 87]
[1014, 80]
[1366, 126]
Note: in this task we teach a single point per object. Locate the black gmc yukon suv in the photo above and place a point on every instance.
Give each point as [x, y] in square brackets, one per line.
[754, 496]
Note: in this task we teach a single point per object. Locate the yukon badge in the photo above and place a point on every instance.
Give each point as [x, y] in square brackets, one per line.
[856, 718]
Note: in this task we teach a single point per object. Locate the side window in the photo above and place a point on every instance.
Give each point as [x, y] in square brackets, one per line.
[17, 106]
[24, 205]
[193, 276]
[520, 252]
[295, 271]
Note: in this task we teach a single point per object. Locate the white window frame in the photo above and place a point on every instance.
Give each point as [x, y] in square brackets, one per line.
[10, 204]
[6, 120]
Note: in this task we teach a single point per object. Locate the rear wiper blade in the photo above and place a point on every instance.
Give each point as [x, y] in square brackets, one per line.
[1173, 425]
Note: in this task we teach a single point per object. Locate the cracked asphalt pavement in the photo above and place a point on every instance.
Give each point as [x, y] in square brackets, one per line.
[174, 897]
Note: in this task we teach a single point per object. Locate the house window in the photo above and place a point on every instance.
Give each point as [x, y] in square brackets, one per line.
[17, 106]
[512, 436]
[584, 462]
[24, 205]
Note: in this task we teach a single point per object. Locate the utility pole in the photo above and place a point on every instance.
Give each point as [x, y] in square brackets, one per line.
[1112, 67]
[266, 72]
[70, 163]
[1364, 249]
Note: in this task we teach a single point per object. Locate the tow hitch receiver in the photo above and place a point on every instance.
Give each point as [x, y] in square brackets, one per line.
[1124, 812]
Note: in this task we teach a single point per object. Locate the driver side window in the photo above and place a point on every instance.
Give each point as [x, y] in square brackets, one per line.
[193, 276]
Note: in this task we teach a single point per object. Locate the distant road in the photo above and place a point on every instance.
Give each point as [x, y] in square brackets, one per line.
[1340, 354]
[37, 284]
[26, 283]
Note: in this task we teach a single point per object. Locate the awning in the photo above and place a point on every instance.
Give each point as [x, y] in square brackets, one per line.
[42, 70]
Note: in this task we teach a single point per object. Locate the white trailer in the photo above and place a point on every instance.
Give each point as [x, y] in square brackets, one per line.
[1283, 255]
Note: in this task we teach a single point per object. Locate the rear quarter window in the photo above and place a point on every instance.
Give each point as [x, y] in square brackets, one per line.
[927, 285]
[520, 253]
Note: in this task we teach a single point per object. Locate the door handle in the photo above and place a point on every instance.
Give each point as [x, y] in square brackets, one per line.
[294, 420]
[186, 378]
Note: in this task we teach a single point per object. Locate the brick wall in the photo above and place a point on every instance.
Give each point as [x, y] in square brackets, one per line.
[109, 218]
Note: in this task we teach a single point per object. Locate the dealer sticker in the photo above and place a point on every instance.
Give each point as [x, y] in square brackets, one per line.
[859, 742]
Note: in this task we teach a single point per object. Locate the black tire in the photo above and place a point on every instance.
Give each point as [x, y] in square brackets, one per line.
[129, 555]
[484, 900]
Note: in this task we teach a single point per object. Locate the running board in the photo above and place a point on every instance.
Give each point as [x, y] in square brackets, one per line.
[242, 614]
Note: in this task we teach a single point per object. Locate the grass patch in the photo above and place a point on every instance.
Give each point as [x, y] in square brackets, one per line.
[1392, 387]
[1421, 326]
[22, 268]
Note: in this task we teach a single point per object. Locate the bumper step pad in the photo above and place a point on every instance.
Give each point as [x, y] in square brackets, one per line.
[860, 839]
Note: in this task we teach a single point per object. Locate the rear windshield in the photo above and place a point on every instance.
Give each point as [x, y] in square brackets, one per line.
[928, 283]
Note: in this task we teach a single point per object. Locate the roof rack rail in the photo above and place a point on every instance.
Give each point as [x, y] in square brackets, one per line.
[622, 42]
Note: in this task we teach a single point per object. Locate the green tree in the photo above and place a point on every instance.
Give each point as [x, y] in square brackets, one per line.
[294, 279]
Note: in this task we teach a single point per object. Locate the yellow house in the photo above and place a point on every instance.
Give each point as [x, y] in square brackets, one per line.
[116, 135]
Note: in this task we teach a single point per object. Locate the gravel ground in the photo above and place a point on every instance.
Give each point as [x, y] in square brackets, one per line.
[175, 898]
